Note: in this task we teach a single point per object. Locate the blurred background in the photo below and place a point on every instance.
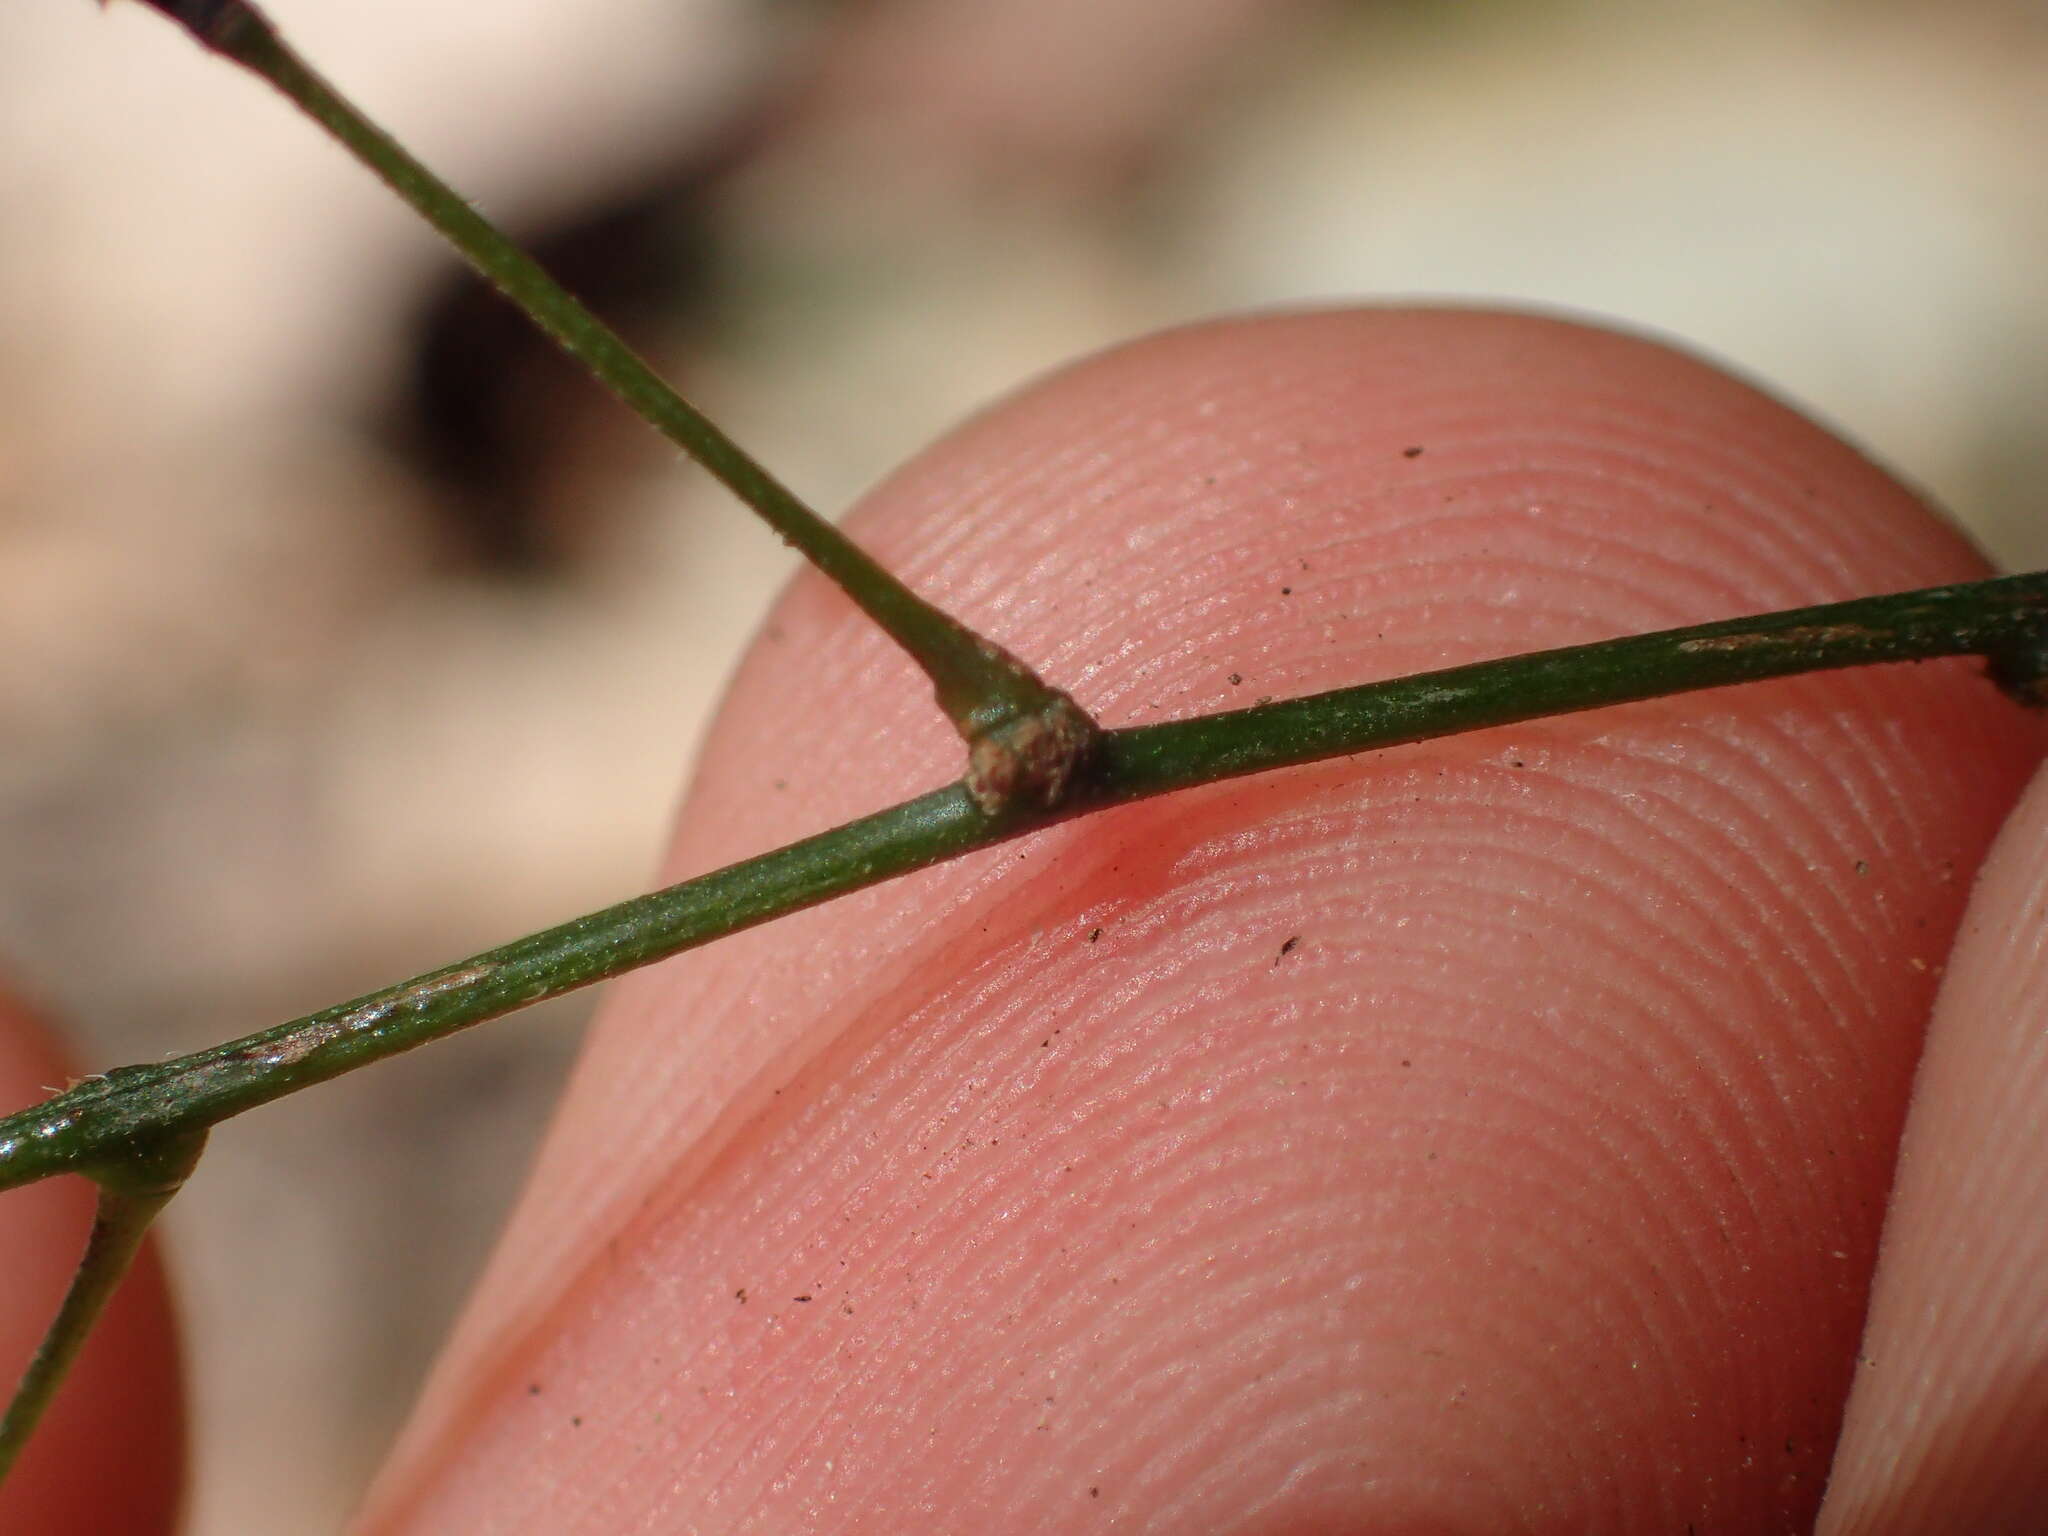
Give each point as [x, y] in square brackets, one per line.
[343, 631]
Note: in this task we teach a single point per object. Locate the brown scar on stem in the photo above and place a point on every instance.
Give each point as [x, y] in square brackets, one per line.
[1779, 639]
[304, 1042]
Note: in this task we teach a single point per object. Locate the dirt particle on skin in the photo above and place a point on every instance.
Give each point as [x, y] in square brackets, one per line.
[1094, 934]
[1236, 679]
[1863, 866]
[1288, 948]
[1411, 453]
[1287, 591]
[740, 1295]
[799, 1298]
[1094, 1493]
[533, 1389]
[576, 1421]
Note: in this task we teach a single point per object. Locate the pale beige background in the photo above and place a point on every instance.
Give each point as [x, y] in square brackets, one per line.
[259, 752]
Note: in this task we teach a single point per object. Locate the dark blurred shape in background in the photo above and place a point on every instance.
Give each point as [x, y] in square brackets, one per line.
[496, 420]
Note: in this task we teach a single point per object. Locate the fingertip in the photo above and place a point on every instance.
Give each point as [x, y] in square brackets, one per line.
[1949, 1413]
[1538, 1173]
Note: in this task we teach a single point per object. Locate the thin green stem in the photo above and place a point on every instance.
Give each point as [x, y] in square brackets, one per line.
[132, 1191]
[95, 1123]
[2004, 620]
[1027, 737]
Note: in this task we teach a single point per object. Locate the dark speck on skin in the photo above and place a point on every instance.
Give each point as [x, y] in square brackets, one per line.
[1411, 453]
[1236, 678]
[799, 1298]
[1094, 934]
[1287, 591]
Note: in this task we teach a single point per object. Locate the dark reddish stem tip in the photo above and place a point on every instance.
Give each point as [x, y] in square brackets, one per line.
[211, 21]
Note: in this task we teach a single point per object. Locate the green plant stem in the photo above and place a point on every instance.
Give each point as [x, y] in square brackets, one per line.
[130, 1196]
[94, 1124]
[1030, 736]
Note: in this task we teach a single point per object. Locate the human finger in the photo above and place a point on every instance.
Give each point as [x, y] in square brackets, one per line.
[1488, 1134]
[1949, 1415]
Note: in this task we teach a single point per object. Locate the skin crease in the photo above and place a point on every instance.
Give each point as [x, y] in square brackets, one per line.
[1488, 1135]
[124, 1390]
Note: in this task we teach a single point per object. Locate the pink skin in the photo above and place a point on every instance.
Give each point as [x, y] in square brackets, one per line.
[1535, 1186]
[124, 1391]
